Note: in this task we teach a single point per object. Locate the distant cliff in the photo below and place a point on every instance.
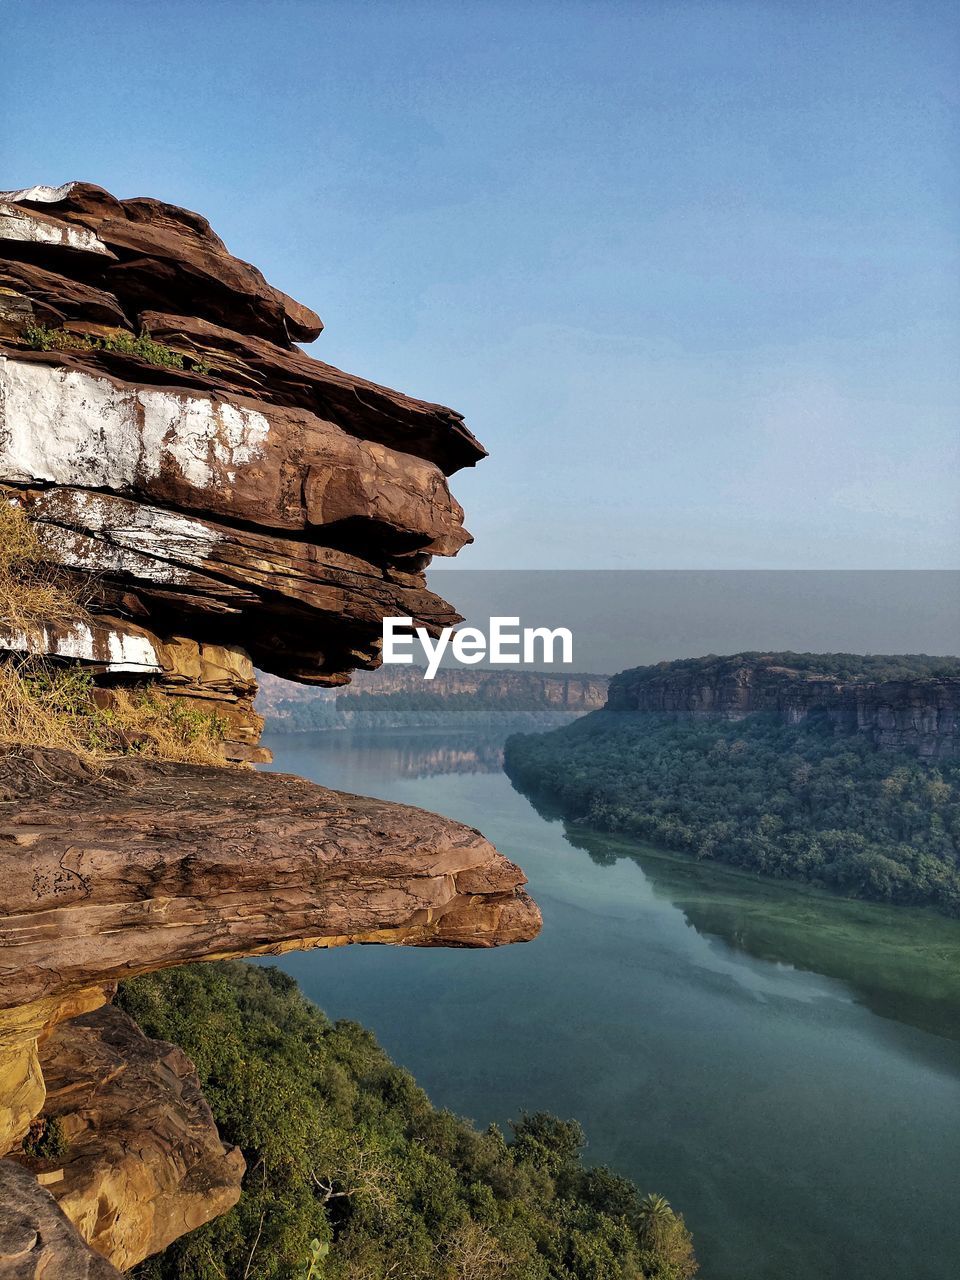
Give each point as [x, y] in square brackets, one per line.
[903, 702]
[839, 770]
[399, 695]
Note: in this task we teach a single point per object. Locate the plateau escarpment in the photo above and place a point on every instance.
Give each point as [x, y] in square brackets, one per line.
[399, 694]
[838, 769]
[207, 495]
[905, 702]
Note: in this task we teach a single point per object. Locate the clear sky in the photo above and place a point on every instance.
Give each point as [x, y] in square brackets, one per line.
[690, 270]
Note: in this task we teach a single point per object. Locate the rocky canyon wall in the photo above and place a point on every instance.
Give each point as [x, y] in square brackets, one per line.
[921, 715]
[574, 693]
[219, 498]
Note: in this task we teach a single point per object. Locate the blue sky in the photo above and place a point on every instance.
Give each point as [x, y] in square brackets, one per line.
[690, 270]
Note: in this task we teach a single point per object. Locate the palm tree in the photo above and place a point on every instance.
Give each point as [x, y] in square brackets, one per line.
[654, 1216]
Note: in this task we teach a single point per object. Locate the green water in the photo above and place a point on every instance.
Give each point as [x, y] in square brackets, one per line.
[783, 1065]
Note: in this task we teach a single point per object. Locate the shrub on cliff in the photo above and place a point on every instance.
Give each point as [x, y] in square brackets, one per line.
[342, 1147]
[44, 704]
[42, 338]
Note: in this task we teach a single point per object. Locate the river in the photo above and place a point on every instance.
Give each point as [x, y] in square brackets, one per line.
[783, 1065]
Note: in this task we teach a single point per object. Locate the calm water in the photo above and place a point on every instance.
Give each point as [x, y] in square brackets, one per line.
[784, 1066]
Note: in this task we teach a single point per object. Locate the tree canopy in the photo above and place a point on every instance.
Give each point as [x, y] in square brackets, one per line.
[344, 1149]
[784, 800]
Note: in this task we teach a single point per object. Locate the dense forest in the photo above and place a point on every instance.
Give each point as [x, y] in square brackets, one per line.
[788, 801]
[353, 1175]
[846, 668]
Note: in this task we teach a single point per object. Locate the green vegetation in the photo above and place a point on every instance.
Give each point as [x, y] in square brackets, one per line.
[42, 338]
[854, 668]
[902, 962]
[318, 1251]
[45, 1140]
[786, 801]
[346, 1154]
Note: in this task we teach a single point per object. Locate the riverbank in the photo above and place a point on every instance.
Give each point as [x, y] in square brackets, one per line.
[762, 1053]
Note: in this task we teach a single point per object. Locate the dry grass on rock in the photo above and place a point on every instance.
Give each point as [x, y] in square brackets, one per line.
[50, 704]
[31, 592]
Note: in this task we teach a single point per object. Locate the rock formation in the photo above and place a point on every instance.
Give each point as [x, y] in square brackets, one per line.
[921, 715]
[37, 1240]
[142, 865]
[222, 498]
[142, 1160]
[164, 433]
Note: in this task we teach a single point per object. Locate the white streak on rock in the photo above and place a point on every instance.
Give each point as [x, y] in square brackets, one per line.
[19, 224]
[79, 551]
[136, 527]
[128, 653]
[70, 427]
[207, 439]
[119, 651]
[39, 194]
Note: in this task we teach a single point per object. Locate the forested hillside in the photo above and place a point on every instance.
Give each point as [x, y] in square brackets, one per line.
[343, 1148]
[794, 801]
[844, 667]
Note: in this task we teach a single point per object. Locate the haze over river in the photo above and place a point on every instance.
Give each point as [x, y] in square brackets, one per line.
[783, 1065]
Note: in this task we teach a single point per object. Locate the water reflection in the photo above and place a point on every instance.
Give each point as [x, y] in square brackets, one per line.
[403, 753]
[901, 963]
[715, 1034]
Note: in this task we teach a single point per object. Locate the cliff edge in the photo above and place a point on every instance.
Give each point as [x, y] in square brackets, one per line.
[899, 702]
[208, 496]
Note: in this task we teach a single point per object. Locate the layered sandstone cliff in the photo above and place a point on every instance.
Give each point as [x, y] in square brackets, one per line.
[139, 1159]
[235, 498]
[555, 690]
[218, 498]
[920, 714]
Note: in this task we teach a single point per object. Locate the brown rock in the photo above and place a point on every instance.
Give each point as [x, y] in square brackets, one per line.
[165, 255]
[101, 880]
[108, 873]
[57, 299]
[252, 366]
[27, 230]
[214, 679]
[219, 496]
[226, 485]
[37, 1241]
[293, 606]
[143, 1162]
[264, 465]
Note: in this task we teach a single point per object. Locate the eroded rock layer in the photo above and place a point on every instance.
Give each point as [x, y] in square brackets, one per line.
[110, 872]
[140, 1161]
[921, 715]
[174, 447]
